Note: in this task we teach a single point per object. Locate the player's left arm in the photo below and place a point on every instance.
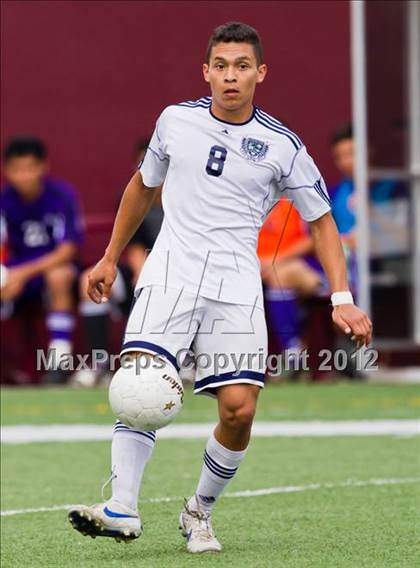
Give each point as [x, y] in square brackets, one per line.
[348, 317]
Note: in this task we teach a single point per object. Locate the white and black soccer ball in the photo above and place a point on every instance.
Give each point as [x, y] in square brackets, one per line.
[147, 400]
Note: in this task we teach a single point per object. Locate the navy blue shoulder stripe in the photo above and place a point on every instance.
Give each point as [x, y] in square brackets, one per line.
[202, 99]
[278, 127]
[193, 106]
[274, 129]
[276, 123]
[195, 103]
[320, 191]
[204, 102]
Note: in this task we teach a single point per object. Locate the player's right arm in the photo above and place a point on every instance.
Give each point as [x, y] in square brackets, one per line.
[135, 204]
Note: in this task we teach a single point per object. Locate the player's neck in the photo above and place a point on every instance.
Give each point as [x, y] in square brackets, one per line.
[239, 115]
[32, 194]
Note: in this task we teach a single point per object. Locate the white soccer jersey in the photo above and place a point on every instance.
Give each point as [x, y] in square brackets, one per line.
[220, 181]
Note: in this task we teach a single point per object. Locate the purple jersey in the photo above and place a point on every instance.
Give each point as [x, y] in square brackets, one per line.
[34, 228]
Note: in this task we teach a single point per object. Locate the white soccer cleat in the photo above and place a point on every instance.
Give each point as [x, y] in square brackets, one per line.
[197, 529]
[83, 379]
[106, 519]
[88, 378]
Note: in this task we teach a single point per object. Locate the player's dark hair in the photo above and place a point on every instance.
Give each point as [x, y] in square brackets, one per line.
[343, 132]
[238, 33]
[20, 146]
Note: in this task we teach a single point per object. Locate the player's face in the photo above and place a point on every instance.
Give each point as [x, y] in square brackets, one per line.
[25, 173]
[233, 74]
[343, 154]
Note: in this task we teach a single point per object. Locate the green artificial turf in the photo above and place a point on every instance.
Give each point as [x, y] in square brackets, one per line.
[334, 524]
[345, 401]
[338, 527]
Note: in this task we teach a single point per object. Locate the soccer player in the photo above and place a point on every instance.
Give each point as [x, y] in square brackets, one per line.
[42, 226]
[224, 164]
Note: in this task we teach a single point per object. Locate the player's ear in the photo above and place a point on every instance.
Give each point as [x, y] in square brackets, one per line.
[206, 72]
[262, 72]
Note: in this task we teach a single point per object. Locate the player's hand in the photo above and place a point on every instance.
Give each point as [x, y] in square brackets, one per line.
[266, 269]
[352, 320]
[101, 279]
[16, 280]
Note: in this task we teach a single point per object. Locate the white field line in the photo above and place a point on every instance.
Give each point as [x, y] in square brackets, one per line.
[24, 434]
[246, 493]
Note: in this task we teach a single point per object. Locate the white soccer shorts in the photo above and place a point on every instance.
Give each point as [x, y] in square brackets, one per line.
[229, 341]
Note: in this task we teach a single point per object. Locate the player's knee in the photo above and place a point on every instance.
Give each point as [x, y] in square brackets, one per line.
[60, 278]
[238, 416]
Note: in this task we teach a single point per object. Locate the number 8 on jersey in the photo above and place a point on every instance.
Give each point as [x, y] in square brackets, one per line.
[216, 161]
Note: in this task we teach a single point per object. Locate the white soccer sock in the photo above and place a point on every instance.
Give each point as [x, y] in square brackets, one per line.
[220, 465]
[131, 451]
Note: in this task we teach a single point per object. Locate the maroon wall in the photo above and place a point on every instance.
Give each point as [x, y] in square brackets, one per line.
[90, 77]
[386, 63]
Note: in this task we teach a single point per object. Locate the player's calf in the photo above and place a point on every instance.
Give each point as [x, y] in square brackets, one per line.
[223, 454]
[118, 517]
[59, 281]
[60, 320]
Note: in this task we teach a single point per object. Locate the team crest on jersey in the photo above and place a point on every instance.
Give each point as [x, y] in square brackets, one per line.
[253, 149]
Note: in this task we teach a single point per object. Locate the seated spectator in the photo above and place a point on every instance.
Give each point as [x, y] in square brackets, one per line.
[342, 195]
[344, 212]
[282, 245]
[95, 317]
[42, 228]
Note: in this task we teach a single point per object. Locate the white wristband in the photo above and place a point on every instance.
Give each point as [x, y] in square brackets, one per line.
[340, 298]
